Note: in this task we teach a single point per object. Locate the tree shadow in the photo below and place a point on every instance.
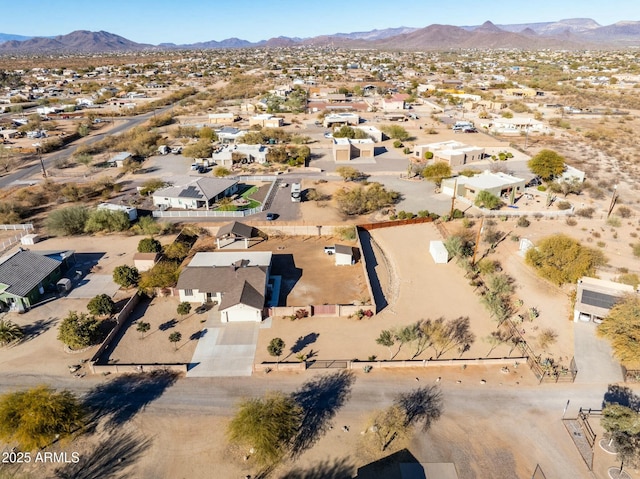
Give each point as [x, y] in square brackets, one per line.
[285, 266]
[36, 328]
[109, 458]
[366, 242]
[421, 405]
[168, 325]
[621, 395]
[304, 341]
[197, 335]
[121, 398]
[327, 469]
[320, 399]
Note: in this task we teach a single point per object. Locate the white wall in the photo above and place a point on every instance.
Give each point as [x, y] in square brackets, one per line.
[239, 313]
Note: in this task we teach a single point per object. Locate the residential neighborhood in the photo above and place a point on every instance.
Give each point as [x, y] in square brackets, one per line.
[391, 256]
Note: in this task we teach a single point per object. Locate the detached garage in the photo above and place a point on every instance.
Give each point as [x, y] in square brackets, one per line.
[438, 252]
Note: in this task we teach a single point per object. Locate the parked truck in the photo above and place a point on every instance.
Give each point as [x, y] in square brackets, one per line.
[296, 194]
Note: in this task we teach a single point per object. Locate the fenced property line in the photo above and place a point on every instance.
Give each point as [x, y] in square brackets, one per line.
[206, 214]
[389, 224]
[406, 363]
[582, 435]
[26, 226]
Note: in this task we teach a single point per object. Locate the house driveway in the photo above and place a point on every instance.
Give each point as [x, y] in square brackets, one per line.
[93, 285]
[224, 349]
[594, 358]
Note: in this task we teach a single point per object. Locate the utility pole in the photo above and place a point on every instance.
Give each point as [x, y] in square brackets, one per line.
[475, 247]
[614, 198]
[39, 152]
[453, 198]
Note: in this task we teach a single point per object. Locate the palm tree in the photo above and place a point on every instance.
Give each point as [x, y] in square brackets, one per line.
[143, 328]
[9, 332]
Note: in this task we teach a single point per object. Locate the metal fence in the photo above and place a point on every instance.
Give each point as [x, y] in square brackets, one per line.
[26, 226]
[8, 242]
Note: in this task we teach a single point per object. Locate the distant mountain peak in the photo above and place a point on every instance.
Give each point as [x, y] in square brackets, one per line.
[488, 27]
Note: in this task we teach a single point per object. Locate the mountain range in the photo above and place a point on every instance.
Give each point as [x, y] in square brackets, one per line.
[574, 33]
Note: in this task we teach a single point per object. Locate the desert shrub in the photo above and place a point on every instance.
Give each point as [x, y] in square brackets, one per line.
[571, 221]
[152, 185]
[221, 171]
[362, 200]
[624, 212]
[629, 278]
[68, 221]
[523, 222]
[106, 220]
[636, 249]
[542, 188]
[395, 132]
[346, 233]
[614, 221]
[563, 205]
[397, 144]
[585, 212]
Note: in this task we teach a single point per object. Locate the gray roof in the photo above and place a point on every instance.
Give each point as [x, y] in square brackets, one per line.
[344, 249]
[193, 187]
[229, 280]
[24, 270]
[242, 293]
[237, 229]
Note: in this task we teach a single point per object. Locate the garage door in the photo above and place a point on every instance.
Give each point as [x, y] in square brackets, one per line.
[241, 313]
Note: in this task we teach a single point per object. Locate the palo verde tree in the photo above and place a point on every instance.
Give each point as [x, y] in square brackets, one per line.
[36, 417]
[387, 339]
[623, 428]
[621, 328]
[562, 259]
[267, 426]
[437, 172]
[547, 164]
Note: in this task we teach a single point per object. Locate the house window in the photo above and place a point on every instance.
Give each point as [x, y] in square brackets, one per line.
[188, 292]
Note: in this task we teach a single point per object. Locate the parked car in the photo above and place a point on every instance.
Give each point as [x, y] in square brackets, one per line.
[329, 250]
[201, 309]
[271, 216]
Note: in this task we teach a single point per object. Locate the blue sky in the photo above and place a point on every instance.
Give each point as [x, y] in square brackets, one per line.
[189, 21]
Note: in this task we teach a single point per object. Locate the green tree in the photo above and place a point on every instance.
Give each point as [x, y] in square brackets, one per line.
[175, 338]
[142, 328]
[623, 428]
[620, 327]
[183, 308]
[267, 426]
[437, 172]
[200, 149]
[68, 221]
[364, 199]
[101, 305]
[395, 132]
[151, 186]
[126, 276]
[348, 173]
[106, 220]
[177, 250]
[547, 164]
[84, 159]
[387, 340]
[387, 426]
[207, 133]
[486, 199]
[35, 418]
[163, 275]
[79, 330]
[148, 226]
[149, 245]
[562, 259]
[276, 347]
[9, 332]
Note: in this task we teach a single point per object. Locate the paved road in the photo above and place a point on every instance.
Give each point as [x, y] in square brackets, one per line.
[49, 159]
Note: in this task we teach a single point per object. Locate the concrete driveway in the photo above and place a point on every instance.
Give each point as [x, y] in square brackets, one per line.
[224, 349]
[594, 358]
[93, 285]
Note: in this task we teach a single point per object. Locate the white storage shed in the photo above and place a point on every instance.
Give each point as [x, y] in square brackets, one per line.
[438, 252]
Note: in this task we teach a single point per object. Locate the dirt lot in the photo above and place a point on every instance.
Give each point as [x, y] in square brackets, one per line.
[309, 276]
[154, 346]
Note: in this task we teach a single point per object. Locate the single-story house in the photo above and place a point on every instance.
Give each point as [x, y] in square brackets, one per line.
[145, 261]
[341, 119]
[396, 102]
[229, 134]
[345, 149]
[498, 184]
[515, 126]
[374, 133]
[236, 280]
[232, 232]
[194, 192]
[454, 153]
[25, 276]
[595, 297]
[221, 118]
[242, 153]
[266, 120]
